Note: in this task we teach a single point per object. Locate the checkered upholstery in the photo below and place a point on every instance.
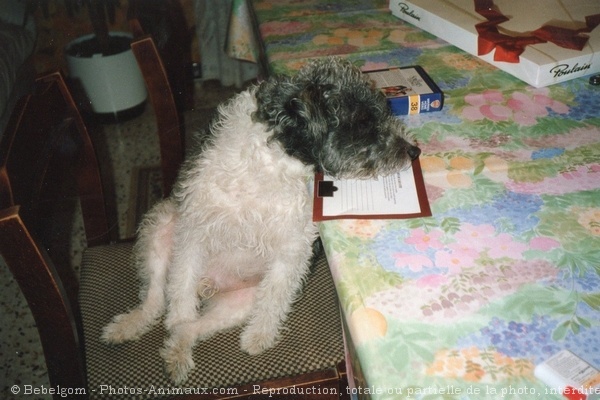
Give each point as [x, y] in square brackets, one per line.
[311, 339]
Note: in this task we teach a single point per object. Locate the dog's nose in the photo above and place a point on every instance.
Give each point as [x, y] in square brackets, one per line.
[414, 152]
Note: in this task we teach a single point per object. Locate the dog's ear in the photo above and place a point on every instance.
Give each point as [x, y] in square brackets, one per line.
[271, 95]
[297, 115]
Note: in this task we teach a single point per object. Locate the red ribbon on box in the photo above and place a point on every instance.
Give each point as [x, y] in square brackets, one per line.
[509, 48]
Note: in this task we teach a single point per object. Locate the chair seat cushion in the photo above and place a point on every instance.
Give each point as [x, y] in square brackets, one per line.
[311, 339]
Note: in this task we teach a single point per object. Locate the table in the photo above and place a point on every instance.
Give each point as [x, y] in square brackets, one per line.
[506, 272]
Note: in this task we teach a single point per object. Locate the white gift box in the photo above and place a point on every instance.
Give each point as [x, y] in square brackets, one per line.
[542, 42]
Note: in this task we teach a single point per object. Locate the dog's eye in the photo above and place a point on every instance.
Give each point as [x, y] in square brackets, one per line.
[328, 91]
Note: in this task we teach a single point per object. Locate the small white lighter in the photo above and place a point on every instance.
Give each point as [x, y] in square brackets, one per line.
[567, 374]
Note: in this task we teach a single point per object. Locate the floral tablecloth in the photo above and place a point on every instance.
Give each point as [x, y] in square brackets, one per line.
[506, 272]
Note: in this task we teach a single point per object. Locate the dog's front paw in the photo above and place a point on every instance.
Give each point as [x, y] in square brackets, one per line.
[124, 327]
[255, 341]
[178, 360]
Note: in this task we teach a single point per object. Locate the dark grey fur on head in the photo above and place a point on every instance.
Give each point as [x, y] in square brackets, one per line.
[329, 116]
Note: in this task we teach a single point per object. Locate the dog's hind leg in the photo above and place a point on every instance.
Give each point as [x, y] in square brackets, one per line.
[223, 311]
[152, 252]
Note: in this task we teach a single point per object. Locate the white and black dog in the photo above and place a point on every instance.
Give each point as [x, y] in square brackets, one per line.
[233, 243]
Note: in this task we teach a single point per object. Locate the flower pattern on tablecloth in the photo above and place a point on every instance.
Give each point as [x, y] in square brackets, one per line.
[524, 107]
[475, 364]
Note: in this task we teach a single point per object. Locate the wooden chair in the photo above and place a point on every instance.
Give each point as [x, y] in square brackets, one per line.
[168, 119]
[46, 161]
[46, 134]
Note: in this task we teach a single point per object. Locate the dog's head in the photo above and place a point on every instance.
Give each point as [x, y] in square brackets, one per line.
[329, 116]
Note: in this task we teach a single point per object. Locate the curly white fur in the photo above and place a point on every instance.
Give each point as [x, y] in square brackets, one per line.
[254, 195]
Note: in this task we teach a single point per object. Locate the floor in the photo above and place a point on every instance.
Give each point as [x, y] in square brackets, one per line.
[130, 145]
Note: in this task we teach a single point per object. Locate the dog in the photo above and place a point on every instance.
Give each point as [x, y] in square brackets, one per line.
[233, 243]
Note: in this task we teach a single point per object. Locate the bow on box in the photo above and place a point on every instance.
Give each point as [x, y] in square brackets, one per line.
[509, 48]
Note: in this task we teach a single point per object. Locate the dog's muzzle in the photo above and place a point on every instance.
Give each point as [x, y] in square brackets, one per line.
[414, 152]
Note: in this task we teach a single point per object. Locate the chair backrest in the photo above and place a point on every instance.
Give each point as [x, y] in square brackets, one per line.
[168, 120]
[45, 139]
[46, 161]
